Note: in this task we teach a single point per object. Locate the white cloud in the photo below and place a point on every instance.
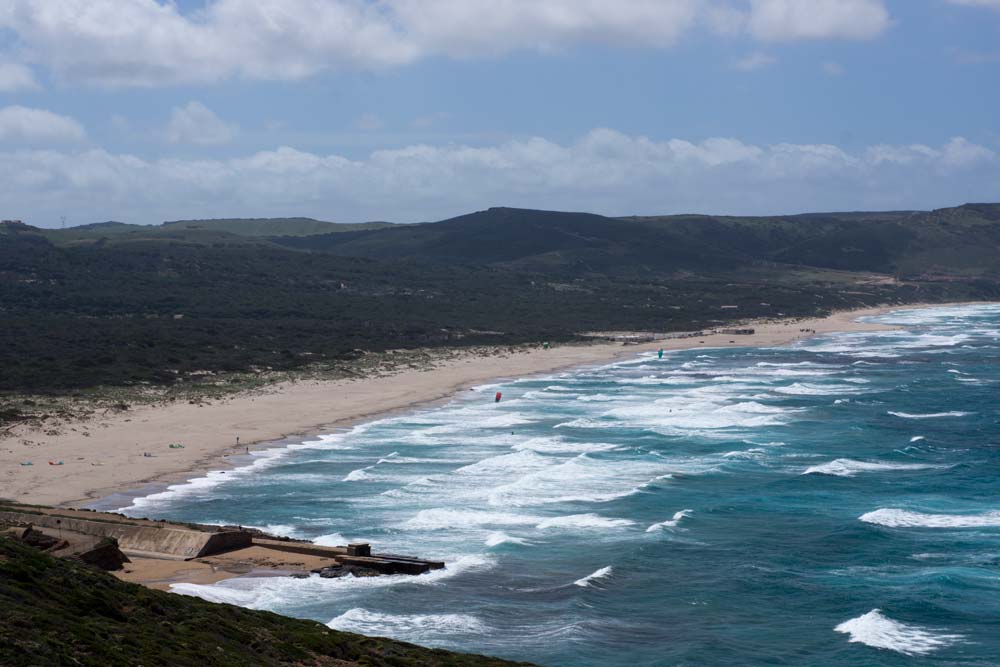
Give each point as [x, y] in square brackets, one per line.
[154, 43]
[754, 61]
[476, 27]
[781, 20]
[958, 153]
[604, 171]
[37, 126]
[15, 77]
[151, 43]
[194, 123]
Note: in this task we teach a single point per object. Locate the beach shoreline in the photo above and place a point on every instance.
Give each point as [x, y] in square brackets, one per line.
[105, 456]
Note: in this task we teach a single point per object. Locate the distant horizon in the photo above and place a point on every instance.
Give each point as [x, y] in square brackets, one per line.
[147, 110]
[521, 208]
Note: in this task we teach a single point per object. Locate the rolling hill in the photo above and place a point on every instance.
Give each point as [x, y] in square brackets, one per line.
[274, 226]
[122, 305]
[964, 240]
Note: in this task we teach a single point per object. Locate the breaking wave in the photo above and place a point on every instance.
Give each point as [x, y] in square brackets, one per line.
[879, 631]
[670, 523]
[585, 582]
[930, 415]
[850, 467]
[897, 518]
[411, 627]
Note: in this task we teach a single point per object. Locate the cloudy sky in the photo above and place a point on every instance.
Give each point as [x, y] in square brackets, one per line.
[410, 110]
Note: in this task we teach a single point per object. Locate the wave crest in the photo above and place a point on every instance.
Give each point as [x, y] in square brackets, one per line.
[585, 582]
[879, 631]
[930, 415]
[898, 518]
[850, 467]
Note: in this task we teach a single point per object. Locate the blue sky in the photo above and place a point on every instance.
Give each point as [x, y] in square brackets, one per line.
[408, 110]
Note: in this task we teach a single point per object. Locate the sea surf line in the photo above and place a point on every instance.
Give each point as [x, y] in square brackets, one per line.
[823, 501]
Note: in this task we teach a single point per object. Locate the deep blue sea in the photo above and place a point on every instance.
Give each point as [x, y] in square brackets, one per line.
[833, 502]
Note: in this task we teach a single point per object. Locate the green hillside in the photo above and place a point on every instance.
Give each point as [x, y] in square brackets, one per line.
[62, 612]
[201, 232]
[273, 226]
[964, 240]
[119, 305]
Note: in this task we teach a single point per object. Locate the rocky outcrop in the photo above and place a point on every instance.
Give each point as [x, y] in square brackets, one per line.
[343, 570]
[101, 552]
[36, 538]
[105, 555]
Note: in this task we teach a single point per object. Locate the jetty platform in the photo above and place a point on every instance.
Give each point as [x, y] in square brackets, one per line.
[159, 553]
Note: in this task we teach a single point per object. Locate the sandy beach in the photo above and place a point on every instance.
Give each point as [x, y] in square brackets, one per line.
[106, 455]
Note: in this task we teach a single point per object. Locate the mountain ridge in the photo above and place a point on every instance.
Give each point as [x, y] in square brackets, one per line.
[168, 306]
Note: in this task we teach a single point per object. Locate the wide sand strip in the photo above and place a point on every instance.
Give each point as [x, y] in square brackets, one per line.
[110, 458]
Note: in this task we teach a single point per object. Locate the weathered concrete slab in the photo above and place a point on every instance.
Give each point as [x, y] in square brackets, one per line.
[149, 540]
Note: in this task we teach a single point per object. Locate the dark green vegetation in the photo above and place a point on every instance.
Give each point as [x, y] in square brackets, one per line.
[124, 305]
[910, 244]
[62, 612]
[273, 226]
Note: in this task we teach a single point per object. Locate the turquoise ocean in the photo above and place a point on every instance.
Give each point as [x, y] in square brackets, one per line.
[833, 502]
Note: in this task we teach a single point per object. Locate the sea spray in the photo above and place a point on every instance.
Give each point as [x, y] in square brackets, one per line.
[879, 631]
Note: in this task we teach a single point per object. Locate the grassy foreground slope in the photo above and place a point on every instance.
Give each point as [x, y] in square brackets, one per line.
[60, 612]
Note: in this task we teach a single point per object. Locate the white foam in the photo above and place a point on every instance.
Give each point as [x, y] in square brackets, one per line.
[806, 389]
[261, 460]
[899, 518]
[938, 314]
[442, 518]
[695, 412]
[850, 467]
[331, 540]
[274, 592]
[279, 529]
[585, 582]
[748, 454]
[670, 523]
[578, 479]
[412, 627]
[525, 459]
[358, 475]
[562, 446]
[584, 521]
[597, 398]
[917, 438]
[879, 631]
[404, 460]
[930, 415]
[499, 537]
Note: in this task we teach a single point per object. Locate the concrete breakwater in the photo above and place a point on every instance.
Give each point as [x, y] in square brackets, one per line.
[203, 552]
